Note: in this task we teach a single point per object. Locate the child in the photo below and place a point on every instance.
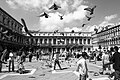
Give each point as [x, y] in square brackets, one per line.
[20, 65]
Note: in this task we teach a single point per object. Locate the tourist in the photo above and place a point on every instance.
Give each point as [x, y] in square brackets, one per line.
[105, 60]
[11, 61]
[115, 60]
[56, 60]
[82, 66]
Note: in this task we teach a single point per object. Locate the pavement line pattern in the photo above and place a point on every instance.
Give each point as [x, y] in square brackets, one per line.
[5, 75]
[95, 65]
[102, 78]
[53, 72]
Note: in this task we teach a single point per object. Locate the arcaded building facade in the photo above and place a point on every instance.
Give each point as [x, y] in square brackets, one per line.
[107, 38]
[13, 36]
[63, 41]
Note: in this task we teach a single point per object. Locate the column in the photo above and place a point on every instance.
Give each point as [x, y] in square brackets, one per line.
[82, 41]
[65, 41]
[42, 41]
[74, 40]
[78, 41]
[52, 41]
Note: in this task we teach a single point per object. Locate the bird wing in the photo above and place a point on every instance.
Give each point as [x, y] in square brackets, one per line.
[94, 7]
[87, 16]
[88, 9]
[52, 7]
[25, 27]
[41, 15]
[58, 6]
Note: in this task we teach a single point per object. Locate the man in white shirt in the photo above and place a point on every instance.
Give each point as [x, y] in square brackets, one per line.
[11, 60]
[82, 66]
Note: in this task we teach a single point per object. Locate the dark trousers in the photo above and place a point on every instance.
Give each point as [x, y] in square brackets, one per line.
[117, 75]
[82, 77]
[11, 62]
[0, 66]
[57, 62]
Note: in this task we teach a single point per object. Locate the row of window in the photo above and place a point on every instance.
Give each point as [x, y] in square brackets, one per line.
[107, 35]
[10, 23]
[67, 41]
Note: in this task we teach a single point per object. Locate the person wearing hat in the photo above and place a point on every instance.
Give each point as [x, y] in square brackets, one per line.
[82, 66]
[115, 60]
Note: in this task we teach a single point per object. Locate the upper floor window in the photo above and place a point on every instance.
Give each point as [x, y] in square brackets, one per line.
[45, 41]
[71, 41]
[80, 41]
[67, 41]
[88, 41]
[54, 41]
[84, 41]
[76, 41]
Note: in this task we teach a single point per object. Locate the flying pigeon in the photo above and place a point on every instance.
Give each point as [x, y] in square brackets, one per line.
[83, 25]
[56, 31]
[89, 18]
[61, 17]
[44, 14]
[62, 34]
[91, 10]
[54, 6]
[25, 27]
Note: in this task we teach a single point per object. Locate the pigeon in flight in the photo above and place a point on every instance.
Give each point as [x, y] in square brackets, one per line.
[56, 31]
[54, 6]
[61, 17]
[62, 34]
[25, 27]
[83, 25]
[89, 18]
[44, 14]
[91, 10]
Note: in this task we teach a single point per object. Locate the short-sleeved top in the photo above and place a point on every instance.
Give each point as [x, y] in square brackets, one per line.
[81, 64]
[56, 56]
[11, 56]
[105, 58]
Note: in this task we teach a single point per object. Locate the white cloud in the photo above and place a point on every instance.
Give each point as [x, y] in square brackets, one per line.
[107, 20]
[73, 11]
[55, 23]
[43, 4]
[77, 3]
[76, 29]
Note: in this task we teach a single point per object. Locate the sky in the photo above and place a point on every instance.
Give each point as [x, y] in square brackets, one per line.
[106, 13]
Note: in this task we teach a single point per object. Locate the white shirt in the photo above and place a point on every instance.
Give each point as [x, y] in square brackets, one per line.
[10, 56]
[81, 64]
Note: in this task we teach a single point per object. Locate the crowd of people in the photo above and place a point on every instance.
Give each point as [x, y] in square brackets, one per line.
[108, 58]
[10, 56]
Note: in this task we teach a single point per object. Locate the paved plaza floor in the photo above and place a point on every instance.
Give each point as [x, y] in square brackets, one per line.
[39, 70]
